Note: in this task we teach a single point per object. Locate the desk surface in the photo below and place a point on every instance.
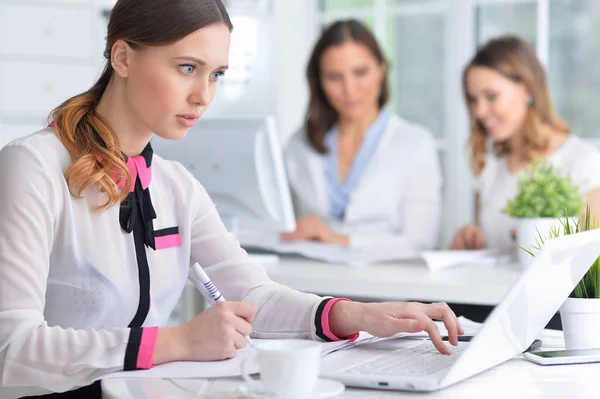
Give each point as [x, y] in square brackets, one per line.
[516, 378]
[478, 285]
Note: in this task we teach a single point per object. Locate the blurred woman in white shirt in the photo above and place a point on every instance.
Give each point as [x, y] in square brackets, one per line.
[360, 175]
[513, 122]
[97, 233]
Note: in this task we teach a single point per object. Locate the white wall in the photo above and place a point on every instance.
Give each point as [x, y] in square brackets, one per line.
[49, 51]
[274, 72]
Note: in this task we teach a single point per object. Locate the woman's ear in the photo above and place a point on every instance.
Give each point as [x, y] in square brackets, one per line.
[529, 101]
[527, 95]
[121, 57]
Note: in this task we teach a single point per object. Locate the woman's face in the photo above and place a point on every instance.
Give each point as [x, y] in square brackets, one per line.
[498, 103]
[351, 78]
[168, 88]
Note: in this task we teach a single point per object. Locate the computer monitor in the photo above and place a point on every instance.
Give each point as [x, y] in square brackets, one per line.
[239, 162]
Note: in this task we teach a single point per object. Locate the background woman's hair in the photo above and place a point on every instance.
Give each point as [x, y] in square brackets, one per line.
[92, 144]
[513, 58]
[321, 116]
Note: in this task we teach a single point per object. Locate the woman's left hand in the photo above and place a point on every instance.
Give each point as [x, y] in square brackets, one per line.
[389, 318]
[312, 227]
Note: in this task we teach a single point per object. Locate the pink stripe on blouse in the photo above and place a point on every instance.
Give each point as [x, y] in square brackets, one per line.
[169, 241]
[144, 360]
[325, 322]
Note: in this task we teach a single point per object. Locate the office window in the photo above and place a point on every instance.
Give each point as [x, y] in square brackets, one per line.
[337, 5]
[247, 87]
[415, 46]
[574, 63]
[248, 6]
[369, 21]
[507, 18]
[362, 10]
[420, 2]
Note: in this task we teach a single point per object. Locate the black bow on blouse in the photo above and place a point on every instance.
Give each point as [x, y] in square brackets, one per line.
[137, 207]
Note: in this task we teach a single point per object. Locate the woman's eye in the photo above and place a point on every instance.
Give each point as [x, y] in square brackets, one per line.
[217, 75]
[187, 68]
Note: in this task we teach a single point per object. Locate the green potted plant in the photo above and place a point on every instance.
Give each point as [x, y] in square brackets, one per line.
[580, 313]
[543, 195]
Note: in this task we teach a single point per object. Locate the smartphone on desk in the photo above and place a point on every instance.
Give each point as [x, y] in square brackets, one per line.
[550, 358]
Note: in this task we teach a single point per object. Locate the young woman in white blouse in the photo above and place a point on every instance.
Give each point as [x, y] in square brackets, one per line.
[97, 235]
[510, 107]
[360, 175]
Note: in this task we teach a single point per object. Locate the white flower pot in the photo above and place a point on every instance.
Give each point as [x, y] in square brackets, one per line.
[529, 231]
[581, 323]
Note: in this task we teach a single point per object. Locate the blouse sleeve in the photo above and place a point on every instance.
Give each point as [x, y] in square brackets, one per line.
[35, 357]
[282, 311]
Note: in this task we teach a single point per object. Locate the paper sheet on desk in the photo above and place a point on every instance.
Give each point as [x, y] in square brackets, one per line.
[437, 260]
[224, 368]
[325, 252]
[470, 328]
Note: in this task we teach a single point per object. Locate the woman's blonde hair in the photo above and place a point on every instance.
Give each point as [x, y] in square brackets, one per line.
[513, 58]
[93, 146]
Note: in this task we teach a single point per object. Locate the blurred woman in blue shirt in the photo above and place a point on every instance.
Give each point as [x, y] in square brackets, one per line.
[360, 175]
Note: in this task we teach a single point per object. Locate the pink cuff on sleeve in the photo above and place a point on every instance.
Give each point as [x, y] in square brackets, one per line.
[147, 345]
[325, 322]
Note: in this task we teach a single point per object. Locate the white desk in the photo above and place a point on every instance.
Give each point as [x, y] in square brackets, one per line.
[471, 285]
[516, 378]
[476, 285]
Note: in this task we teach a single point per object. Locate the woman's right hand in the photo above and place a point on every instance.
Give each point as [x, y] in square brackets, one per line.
[470, 236]
[215, 334]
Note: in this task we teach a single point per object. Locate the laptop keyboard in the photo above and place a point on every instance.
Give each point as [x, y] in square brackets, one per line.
[421, 359]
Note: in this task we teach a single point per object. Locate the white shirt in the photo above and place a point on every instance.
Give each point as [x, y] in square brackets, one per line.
[496, 185]
[69, 283]
[396, 204]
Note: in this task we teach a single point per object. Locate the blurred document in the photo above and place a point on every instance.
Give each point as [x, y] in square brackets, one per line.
[437, 260]
[325, 252]
[217, 369]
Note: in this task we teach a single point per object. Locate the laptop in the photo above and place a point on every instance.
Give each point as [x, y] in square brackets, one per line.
[415, 365]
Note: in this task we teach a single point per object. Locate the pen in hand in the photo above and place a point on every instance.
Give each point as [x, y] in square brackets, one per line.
[205, 285]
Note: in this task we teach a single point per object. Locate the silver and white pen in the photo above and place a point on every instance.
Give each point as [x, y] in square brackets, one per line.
[206, 286]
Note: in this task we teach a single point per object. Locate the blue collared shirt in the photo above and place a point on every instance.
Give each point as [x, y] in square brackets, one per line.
[339, 192]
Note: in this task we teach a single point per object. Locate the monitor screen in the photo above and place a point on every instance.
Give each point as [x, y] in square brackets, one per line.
[239, 162]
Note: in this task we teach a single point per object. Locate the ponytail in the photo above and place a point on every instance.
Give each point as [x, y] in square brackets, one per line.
[92, 144]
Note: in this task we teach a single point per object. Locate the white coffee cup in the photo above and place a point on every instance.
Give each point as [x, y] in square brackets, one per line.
[288, 368]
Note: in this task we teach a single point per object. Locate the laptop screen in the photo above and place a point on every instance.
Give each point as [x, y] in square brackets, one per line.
[529, 305]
